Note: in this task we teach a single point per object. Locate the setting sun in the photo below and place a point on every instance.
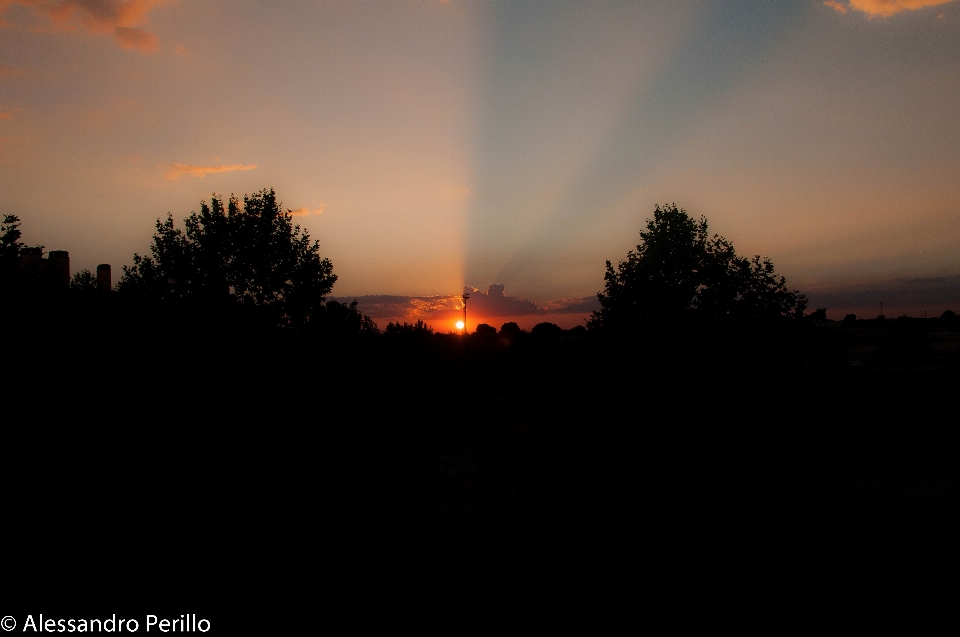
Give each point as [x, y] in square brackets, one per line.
[460, 325]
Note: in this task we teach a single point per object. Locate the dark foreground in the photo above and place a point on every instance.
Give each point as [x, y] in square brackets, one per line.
[676, 478]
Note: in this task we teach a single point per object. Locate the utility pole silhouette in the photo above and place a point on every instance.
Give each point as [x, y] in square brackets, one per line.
[464, 296]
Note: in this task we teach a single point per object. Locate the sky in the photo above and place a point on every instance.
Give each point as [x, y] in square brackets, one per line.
[434, 146]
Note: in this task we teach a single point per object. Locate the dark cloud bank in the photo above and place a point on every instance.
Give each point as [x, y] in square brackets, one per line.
[906, 293]
[934, 293]
[492, 303]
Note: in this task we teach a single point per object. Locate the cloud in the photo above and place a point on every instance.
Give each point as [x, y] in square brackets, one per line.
[176, 170]
[882, 8]
[304, 211]
[401, 308]
[121, 18]
[491, 303]
[182, 51]
[9, 71]
[135, 38]
[950, 284]
[11, 114]
[582, 305]
[836, 6]
[934, 293]
[494, 302]
[118, 109]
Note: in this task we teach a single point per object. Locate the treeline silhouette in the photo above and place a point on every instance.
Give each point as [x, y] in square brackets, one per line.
[239, 296]
[241, 287]
[234, 303]
[677, 432]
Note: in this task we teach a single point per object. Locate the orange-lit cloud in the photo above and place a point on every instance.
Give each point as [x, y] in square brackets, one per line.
[489, 307]
[408, 308]
[492, 303]
[11, 114]
[303, 211]
[882, 8]
[836, 6]
[123, 18]
[135, 38]
[9, 71]
[495, 303]
[583, 305]
[176, 170]
[116, 110]
[182, 51]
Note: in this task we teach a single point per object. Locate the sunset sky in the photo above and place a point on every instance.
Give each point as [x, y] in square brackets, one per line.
[434, 145]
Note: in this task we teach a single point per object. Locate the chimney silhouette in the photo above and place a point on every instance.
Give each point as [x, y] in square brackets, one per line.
[103, 278]
[30, 256]
[59, 264]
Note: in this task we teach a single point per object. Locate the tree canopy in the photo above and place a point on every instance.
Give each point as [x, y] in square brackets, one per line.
[10, 246]
[84, 280]
[10, 234]
[679, 272]
[252, 256]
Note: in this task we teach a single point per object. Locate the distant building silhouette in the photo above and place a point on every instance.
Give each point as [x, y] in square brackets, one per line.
[59, 268]
[52, 272]
[29, 257]
[104, 283]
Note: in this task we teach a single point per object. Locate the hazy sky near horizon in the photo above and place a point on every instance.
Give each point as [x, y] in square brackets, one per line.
[430, 145]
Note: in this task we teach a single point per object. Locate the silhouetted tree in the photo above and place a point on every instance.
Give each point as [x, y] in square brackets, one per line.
[949, 315]
[339, 320]
[22, 268]
[546, 331]
[761, 293]
[10, 234]
[679, 272]
[84, 280]
[10, 245]
[906, 340]
[510, 330]
[410, 345]
[485, 331]
[407, 329]
[253, 256]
